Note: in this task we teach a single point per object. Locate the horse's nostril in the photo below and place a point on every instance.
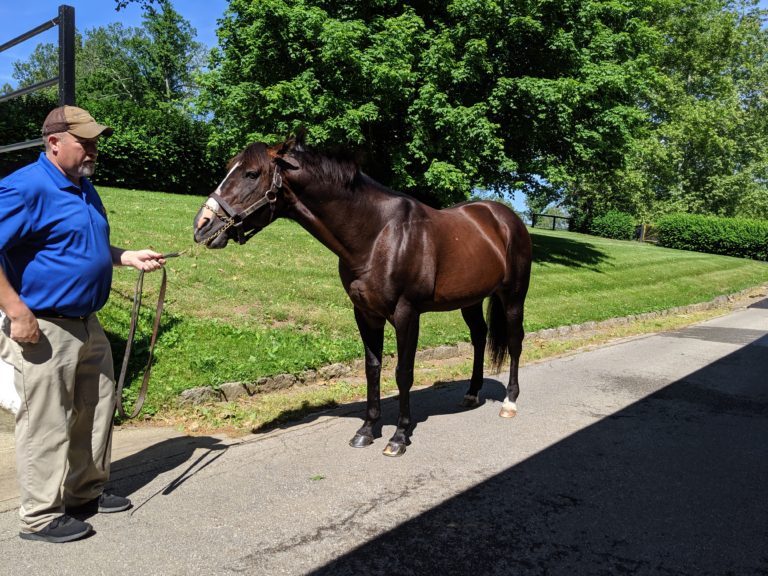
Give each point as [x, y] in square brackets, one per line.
[203, 222]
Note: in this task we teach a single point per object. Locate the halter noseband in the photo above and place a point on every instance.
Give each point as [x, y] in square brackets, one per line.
[234, 219]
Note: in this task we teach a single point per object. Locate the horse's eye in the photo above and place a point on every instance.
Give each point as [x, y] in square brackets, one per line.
[252, 174]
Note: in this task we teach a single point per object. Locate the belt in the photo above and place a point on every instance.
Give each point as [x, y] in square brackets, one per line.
[54, 314]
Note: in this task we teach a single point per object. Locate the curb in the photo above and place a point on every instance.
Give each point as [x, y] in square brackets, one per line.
[230, 391]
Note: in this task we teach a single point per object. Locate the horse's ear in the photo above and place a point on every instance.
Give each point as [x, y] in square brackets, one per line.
[299, 140]
[295, 142]
[284, 164]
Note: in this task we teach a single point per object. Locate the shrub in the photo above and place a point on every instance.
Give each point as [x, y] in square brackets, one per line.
[614, 224]
[159, 148]
[742, 237]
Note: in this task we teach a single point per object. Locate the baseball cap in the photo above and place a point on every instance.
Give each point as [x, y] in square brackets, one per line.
[74, 120]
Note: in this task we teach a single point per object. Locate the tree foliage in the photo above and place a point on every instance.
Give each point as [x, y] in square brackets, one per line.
[645, 107]
[440, 97]
[703, 149]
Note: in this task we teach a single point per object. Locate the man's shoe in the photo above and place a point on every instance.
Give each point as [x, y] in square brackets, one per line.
[113, 503]
[105, 504]
[61, 529]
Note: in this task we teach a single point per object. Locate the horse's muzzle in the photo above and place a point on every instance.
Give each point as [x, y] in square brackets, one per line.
[208, 229]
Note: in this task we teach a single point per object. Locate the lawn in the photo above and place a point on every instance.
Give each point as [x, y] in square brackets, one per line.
[275, 305]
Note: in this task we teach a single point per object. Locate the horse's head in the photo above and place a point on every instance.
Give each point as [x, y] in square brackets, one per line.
[249, 198]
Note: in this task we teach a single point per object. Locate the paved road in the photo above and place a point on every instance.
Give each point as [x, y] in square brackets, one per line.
[648, 456]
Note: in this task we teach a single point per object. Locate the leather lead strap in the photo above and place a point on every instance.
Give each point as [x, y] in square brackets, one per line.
[129, 345]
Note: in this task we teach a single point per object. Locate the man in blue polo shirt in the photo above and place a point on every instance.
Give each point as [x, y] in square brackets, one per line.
[55, 274]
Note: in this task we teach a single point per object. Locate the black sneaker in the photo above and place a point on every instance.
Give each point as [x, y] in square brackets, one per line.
[105, 504]
[113, 503]
[61, 529]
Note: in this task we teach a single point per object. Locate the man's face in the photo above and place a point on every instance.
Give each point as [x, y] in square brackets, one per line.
[75, 156]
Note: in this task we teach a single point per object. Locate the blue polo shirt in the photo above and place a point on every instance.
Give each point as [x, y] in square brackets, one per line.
[54, 240]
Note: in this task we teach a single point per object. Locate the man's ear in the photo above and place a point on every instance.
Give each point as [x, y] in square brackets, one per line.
[51, 141]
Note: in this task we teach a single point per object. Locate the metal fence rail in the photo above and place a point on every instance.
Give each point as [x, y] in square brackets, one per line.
[66, 78]
[550, 221]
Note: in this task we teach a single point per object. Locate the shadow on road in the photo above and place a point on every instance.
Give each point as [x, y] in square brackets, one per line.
[676, 483]
[133, 472]
[423, 406]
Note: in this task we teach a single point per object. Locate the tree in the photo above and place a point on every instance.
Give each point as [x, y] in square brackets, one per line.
[641, 106]
[703, 145]
[439, 97]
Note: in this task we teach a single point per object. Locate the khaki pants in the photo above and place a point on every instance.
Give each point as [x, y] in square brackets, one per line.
[63, 425]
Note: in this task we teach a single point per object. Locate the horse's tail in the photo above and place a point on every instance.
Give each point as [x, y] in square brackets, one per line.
[498, 336]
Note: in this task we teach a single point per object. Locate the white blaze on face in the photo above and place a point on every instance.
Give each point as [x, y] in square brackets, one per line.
[212, 205]
[211, 208]
[218, 188]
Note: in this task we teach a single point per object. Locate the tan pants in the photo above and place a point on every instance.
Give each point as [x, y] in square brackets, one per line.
[63, 425]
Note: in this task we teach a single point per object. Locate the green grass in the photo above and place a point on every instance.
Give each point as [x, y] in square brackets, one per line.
[276, 304]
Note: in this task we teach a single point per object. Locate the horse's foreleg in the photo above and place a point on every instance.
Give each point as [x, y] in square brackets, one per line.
[372, 334]
[478, 331]
[407, 332]
[514, 311]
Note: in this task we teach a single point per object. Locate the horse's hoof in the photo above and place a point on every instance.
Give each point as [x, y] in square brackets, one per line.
[470, 401]
[360, 441]
[508, 409]
[394, 449]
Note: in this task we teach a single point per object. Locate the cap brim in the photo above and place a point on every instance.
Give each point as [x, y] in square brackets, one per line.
[91, 130]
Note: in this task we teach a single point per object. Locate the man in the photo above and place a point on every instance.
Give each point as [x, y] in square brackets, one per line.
[55, 274]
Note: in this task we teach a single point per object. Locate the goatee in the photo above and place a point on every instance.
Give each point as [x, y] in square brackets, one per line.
[88, 169]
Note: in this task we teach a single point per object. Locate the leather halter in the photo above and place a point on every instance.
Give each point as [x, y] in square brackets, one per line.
[234, 219]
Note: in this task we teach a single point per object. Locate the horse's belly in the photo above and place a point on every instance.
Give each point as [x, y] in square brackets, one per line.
[449, 295]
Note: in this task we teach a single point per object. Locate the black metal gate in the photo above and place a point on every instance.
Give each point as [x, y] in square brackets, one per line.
[66, 78]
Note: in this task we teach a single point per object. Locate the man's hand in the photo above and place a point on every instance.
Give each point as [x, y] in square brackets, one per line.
[24, 326]
[146, 260]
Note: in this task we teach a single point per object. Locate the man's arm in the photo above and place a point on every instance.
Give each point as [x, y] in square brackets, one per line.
[24, 327]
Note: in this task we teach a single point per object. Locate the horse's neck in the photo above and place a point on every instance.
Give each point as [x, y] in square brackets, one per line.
[346, 223]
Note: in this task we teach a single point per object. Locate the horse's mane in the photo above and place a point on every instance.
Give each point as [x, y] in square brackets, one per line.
[333, 167]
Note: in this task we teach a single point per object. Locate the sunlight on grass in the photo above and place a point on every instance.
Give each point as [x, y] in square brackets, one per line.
[276, 305]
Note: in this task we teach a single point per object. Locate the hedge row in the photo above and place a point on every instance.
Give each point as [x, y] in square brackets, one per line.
[742, 237]
[614, 224]
[159, 148]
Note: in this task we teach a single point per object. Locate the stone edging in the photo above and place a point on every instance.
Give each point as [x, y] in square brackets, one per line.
[233, 390]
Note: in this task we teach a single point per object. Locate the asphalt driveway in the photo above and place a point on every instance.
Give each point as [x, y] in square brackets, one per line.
[647, 456]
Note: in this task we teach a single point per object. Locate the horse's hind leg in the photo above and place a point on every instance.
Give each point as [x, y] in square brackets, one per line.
[514, 310]
[372, 334]
[478, 331]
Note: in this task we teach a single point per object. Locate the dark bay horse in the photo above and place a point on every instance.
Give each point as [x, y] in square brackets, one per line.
[398, 258]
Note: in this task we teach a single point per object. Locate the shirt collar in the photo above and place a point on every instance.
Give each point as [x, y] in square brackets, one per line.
[56, 175]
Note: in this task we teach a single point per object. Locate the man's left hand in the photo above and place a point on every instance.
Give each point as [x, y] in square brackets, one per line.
[146, 260]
